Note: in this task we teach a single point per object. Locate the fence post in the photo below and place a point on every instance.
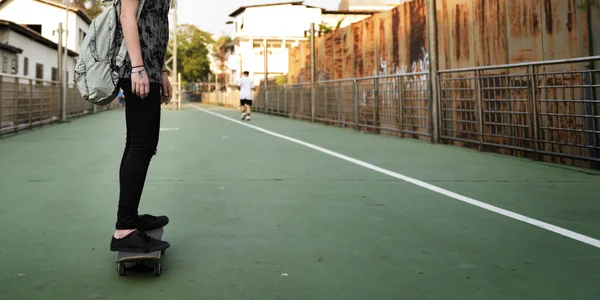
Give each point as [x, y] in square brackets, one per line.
[434, 103]
[313, 96]
[401, 106]
[285, 101]
[340, 103]
[326, 107]
[479, 109]
[534, 111]
[178, 91]
[376, 112]
[355, 104]
[30, 105]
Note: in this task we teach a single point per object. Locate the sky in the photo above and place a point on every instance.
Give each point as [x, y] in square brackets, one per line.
[212, 17]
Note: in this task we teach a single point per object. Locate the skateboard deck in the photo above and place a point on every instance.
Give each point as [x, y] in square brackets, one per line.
[130, 260]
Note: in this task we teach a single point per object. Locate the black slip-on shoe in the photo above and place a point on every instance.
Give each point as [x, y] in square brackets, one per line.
[138, 242]
[149, 222]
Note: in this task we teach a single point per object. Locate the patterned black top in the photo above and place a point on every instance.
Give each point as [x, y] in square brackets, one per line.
[153, 26]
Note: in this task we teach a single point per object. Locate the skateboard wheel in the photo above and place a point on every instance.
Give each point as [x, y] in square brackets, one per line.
[157, 269]
[121, 269]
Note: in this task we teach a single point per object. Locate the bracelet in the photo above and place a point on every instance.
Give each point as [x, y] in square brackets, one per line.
[137, 67]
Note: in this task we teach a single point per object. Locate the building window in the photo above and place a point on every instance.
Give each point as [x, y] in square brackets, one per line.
[26, 66]
[35, 27]
[15, 65]
[82, 36]
[4, 64]
[39, 71]
[54, 74]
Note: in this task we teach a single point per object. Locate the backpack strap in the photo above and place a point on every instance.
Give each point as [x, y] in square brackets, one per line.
[122, 54]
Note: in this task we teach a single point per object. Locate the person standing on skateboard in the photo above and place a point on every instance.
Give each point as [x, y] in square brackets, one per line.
[246, 85]
[146, 86]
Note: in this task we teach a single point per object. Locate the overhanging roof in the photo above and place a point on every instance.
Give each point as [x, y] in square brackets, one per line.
[33, 35]
[351, 12]
[10, 48]
[243, 8]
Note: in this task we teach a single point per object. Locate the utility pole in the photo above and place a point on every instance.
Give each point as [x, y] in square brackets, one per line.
[433, 71]
[61, 75]
[312, 72]
[173, 60]
[64, 64]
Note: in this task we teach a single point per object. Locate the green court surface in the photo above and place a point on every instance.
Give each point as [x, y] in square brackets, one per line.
[257, 216]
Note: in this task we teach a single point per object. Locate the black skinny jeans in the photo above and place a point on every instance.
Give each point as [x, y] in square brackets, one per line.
[142, 117]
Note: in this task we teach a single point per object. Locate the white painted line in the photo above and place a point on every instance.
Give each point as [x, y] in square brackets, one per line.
[564, 232]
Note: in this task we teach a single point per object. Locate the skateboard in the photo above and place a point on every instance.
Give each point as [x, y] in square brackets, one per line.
[129, 260]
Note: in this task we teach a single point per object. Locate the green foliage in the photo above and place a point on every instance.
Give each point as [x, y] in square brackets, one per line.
[325, 28]
[192, 53]
[281, 79]
[221, 47]
[591, 4]
[93, 12]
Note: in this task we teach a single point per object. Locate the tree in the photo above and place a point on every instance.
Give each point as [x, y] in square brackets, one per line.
[94, 10]
[222, 47]
[192, 53]
[592, 4]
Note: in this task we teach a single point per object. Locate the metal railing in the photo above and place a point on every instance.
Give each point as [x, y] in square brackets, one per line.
[397, 104]
[26, 103]
[542, 110]
[545, 110]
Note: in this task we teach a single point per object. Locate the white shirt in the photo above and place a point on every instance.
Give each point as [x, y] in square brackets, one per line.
[246, 85]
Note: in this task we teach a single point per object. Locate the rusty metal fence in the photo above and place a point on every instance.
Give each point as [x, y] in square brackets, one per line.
[540, 110]
[396, 104]
[26, 103]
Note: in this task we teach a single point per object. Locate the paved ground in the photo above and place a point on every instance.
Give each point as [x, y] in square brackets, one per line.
[254, 216]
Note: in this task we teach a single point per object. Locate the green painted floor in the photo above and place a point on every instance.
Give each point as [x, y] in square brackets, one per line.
[257, 217]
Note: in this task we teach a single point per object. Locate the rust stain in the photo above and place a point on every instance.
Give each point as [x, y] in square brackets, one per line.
[358, 60]
[548, 11]
[570, 17]
[395, 36]
[461, 32]
[418, 30]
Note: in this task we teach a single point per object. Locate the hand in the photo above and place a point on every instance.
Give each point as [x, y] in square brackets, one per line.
[140, 84]
[167, 90]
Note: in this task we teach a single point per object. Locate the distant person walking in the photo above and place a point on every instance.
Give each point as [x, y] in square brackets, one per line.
[121, 99]
[146, 86]
[246, 86]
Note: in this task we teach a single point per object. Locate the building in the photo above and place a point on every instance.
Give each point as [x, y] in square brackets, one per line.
[43, 17]
[26, 53]
[286, 25]
[31, 26]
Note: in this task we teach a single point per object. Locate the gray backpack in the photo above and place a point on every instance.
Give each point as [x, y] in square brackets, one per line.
[101, 57]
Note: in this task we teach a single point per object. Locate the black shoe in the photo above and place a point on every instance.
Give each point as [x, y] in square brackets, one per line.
[138, 242]
[148, 222]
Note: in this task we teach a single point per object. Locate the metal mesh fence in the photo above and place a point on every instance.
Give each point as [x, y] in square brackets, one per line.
[25, 103]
